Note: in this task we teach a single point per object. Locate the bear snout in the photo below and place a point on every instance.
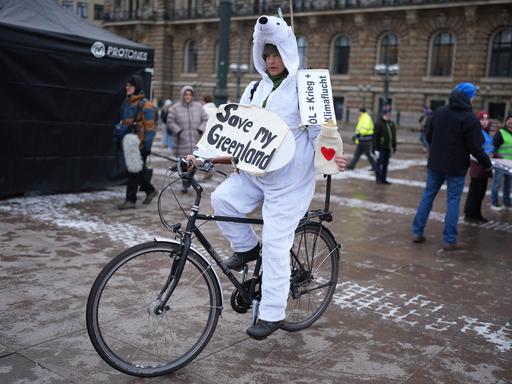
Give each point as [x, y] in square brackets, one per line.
[263, 20]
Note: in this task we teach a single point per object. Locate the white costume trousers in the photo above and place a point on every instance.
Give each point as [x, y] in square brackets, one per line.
[285, 195]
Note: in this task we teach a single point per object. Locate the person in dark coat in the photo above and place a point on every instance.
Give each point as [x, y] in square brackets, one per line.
[479, 176]
[138, 112]
[453, 133]
[384, 141]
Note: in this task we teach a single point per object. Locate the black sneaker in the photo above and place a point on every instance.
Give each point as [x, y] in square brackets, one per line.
[239, 259]
[262, 329]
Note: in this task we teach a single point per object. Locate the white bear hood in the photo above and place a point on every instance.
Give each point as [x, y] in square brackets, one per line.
[273, 30]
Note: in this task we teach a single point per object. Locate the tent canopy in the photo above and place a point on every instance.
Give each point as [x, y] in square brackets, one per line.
[62, 84]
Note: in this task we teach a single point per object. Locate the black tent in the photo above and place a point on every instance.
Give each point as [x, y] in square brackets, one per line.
[61, 87]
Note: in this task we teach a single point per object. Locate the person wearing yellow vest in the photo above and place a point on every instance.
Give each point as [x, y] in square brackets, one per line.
[503, 149]
[363, 138]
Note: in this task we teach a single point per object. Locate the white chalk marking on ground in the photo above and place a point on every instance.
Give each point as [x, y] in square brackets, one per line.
[501, 336]
[53, 209]
[410, 212]
[415, 311]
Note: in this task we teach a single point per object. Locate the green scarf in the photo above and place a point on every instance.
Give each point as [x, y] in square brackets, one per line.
[276, 80]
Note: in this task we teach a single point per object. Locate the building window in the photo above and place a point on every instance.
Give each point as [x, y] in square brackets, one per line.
[252, 68]
[98, 11]
[81, 9]
[501, 54]
[497, 110]
[441, 54]
[191, 57]
[339, 104]
[68, 4]
[303, 47]
[341, 55]
[388, 49]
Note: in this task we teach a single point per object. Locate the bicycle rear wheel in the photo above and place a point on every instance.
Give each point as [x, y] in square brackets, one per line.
[314, 274]
[121, 319]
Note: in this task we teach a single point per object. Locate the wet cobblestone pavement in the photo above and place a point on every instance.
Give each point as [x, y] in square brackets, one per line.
[402, 312]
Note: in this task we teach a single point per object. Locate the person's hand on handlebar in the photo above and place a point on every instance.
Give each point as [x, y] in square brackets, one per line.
[341, 161]
[191, 161]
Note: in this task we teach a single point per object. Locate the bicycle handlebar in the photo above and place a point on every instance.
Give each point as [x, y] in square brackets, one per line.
[197, 162]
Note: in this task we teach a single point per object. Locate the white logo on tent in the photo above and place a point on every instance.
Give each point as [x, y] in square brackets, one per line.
[98, 49]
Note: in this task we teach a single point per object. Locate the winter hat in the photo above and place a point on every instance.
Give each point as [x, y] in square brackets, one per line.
[469, 89]
[167, 103]
[385, 111]
[137, 81]
[185, 89]
[275, 31]
[481, 114]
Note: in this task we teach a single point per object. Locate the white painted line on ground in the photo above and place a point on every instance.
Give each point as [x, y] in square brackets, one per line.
[410, 212]
[53, 209]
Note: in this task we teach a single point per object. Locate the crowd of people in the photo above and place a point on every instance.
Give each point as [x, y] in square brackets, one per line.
[455, 139]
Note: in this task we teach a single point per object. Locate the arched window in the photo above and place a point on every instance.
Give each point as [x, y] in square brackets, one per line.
[303, 47]
[501, 54]
[441, 54]
[191, 57]
[341, 55]
[388, 49]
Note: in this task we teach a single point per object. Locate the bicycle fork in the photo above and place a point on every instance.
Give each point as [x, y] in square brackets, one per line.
[178, 264]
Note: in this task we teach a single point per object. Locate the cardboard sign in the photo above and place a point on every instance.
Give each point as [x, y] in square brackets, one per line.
[252, 134]
[315, 96]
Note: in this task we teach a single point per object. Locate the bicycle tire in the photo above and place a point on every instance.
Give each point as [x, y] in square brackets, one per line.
[313, 280]
[120, 316]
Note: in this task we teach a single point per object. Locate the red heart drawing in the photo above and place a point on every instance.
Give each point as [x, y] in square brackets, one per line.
[328, 152]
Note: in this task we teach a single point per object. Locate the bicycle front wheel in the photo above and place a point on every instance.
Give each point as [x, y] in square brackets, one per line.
[314, 274]
[123, 325]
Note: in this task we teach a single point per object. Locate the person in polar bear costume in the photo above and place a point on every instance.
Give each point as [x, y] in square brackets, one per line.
[285, 194]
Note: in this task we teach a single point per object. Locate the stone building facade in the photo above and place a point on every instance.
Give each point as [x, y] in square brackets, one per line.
[427, 46]
[91, 10]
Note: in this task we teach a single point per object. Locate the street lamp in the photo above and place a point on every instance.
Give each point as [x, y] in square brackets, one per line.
[238, 70]
[221, 93]
[386, 71]
[363, 88]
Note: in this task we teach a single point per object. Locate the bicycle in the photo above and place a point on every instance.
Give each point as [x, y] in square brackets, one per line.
[154, 307]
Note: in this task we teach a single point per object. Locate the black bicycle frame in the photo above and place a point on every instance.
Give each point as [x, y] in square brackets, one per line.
[179, 263]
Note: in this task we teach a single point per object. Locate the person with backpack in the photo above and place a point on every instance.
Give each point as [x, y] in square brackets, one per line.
[284, 194]
[138, 123]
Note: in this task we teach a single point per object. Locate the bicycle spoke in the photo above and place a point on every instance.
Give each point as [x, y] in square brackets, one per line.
[314, 266]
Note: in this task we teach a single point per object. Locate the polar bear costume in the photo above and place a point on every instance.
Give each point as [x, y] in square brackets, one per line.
[285, 194]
